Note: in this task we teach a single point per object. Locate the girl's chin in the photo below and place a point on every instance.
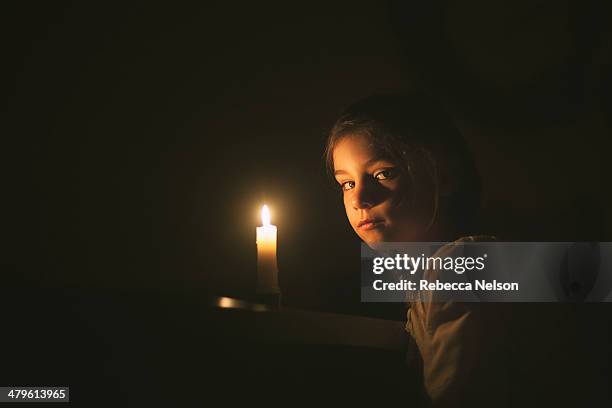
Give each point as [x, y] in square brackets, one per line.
[374, 239]
[379, 238]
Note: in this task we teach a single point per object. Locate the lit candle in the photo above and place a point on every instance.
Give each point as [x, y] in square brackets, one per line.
[267, 271]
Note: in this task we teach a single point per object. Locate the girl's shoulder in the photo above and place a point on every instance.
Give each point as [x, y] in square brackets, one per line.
[449, 248]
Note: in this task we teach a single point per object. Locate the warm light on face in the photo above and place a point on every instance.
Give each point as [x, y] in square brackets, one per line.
[265, 215]
[375, 193]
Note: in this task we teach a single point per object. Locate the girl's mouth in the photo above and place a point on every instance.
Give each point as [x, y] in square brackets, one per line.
[369, 224]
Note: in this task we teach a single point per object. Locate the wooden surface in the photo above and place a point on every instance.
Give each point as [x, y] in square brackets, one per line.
[295, 326]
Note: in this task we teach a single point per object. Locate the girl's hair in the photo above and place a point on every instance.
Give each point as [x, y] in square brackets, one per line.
[414, 132]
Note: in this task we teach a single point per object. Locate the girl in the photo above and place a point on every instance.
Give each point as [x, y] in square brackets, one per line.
[405, 174]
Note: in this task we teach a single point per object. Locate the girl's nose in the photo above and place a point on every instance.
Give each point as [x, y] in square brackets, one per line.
[362, 197]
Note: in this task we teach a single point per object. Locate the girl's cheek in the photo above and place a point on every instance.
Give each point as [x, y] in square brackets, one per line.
[346, 199]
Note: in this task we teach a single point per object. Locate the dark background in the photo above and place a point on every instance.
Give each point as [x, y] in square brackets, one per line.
[141, 140]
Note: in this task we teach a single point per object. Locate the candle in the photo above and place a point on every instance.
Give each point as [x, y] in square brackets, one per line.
[267, 271]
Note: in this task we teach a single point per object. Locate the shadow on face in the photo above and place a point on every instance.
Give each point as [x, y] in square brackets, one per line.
[377, 194]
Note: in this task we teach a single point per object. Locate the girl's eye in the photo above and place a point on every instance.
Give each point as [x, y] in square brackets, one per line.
[347, 185]
[385, 174]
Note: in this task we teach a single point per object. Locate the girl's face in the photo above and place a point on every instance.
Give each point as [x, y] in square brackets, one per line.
[376, 194]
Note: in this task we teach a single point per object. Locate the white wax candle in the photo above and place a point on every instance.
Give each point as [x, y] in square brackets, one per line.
[267, 270]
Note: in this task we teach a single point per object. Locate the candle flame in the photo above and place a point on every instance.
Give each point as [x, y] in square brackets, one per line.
[265, 215]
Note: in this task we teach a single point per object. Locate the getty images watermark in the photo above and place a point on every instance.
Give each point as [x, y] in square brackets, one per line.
[473, 271]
